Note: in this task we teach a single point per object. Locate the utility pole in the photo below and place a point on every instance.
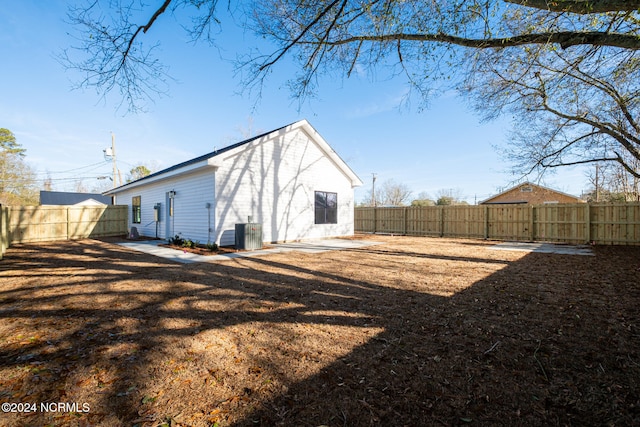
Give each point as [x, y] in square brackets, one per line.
[111, 152]
[113, 157]
[373, 191]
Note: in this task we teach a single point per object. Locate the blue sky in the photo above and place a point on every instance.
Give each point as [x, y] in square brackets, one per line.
[65, 131]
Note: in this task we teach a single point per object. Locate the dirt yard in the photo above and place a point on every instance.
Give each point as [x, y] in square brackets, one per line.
[415, 331]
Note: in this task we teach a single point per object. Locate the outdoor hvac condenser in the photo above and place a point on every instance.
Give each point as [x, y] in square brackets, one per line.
[249, 236]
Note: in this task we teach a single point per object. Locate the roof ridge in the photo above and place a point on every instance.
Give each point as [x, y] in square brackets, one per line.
[206, 156]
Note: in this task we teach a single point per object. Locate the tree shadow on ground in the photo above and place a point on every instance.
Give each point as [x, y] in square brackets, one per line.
[411, 335]
[531, 344]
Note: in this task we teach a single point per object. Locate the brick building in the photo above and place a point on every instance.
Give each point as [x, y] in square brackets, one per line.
[528, 193]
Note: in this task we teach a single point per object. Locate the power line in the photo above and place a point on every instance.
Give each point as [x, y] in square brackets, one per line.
[42, 180]
[102, 163]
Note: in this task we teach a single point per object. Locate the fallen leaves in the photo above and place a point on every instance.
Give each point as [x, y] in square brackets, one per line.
[415, 332]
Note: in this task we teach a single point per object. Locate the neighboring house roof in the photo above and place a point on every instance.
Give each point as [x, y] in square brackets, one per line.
[70, 198]
[89, 202]
[528, 192]
[215, 158]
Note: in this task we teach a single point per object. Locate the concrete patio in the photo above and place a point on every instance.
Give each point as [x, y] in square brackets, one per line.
[153, 247]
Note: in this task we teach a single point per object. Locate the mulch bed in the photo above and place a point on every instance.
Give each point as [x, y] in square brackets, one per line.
[415, 331]
[202, 250]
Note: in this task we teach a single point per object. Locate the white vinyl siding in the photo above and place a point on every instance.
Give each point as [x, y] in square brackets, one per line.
[190, 217]
[274, 182]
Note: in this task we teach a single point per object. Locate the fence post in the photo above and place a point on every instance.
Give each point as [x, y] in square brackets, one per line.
[486, 222]
[405, 221]
[532, 223]
[587, 218]
[374, 219]
[68, 225]
[4, 237]
[442, 221]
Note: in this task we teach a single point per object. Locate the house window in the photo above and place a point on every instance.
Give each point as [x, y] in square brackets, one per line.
[136, 209]
[326, 207]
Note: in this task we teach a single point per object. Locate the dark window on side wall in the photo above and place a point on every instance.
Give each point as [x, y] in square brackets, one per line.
[326, 207]
[136, 209]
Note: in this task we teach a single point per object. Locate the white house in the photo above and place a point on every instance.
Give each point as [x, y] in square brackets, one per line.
[289, 179]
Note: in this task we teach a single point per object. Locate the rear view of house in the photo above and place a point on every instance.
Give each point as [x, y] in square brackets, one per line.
[289, 180]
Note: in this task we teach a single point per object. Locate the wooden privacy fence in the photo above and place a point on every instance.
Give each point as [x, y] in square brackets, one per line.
[616, 224]
[47, 223]
[4, 229]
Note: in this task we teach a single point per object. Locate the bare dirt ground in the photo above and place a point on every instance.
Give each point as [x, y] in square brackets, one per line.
[416, 331]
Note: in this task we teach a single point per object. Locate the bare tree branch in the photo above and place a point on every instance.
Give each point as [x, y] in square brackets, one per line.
[567, 70]
[634, 171]
[579, 6]
[145, 28]
[298, 39]
[565, 39]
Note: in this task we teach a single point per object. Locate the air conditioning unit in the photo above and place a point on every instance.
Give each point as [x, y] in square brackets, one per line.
[249, 236]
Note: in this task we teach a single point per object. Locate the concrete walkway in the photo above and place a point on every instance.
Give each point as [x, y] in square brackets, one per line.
[546, 248]
[316, 246]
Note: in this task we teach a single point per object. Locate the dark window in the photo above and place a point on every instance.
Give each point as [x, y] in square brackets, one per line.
[326, 207]
[136, 209]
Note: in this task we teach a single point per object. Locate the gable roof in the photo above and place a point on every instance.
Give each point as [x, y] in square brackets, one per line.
[523, 184]
[70, 198]
[214, 158]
